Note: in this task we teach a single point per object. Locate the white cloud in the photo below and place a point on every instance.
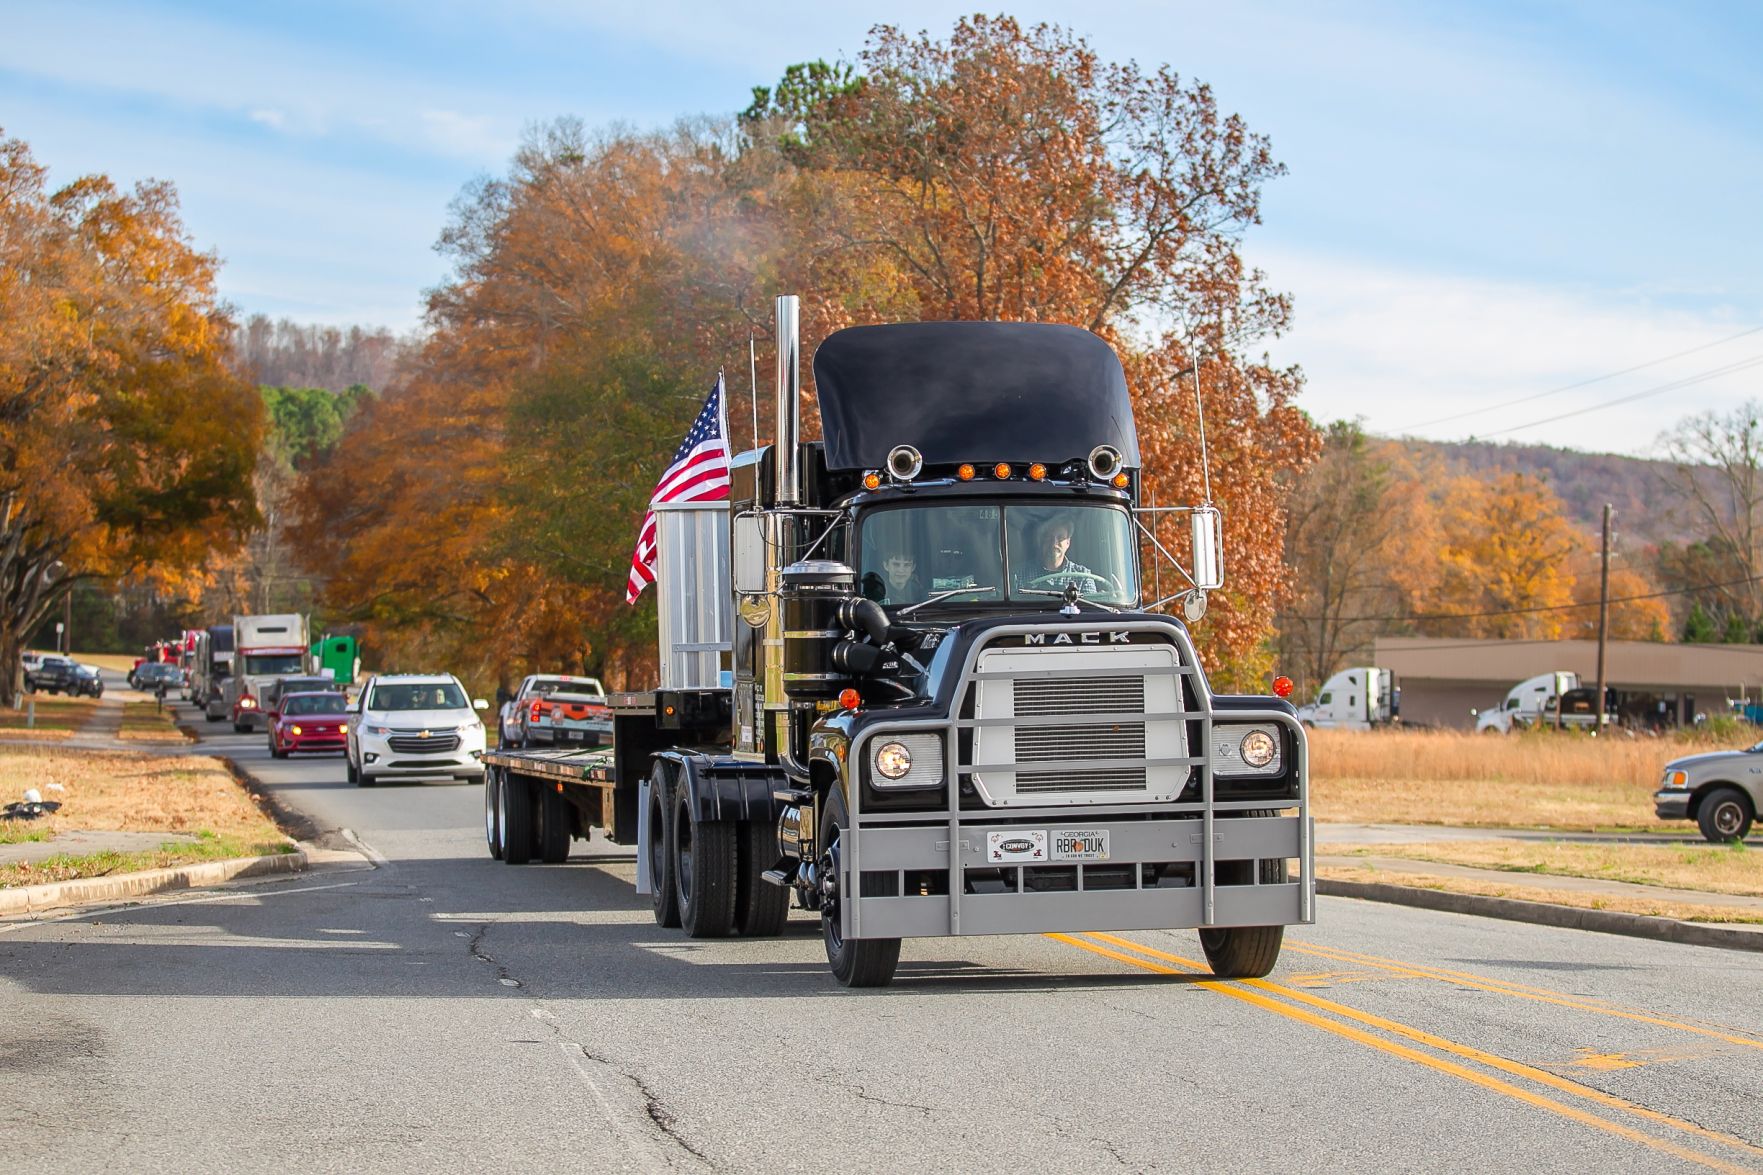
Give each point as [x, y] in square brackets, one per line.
[275, 120]
[1403, 348]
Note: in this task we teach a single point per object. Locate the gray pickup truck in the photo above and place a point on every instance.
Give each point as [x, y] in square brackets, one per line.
[1719, 790]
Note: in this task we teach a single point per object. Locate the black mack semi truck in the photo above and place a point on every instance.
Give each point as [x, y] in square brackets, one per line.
[908, 680]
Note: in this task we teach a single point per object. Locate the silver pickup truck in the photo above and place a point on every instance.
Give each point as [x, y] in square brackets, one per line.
[1719, 790]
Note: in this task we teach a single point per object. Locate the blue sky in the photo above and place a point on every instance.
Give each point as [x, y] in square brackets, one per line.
[1486, 202]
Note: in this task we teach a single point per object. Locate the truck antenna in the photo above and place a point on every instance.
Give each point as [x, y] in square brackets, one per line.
[1200, 414]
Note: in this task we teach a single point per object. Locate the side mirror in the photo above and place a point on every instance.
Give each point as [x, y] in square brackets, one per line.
[749, 554]
[479, 704]
[1208, 553]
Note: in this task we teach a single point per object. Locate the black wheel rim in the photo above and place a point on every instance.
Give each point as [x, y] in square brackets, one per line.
[683, 863]
[827, 883]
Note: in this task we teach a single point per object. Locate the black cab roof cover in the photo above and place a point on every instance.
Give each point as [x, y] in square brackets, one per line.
[971, 391]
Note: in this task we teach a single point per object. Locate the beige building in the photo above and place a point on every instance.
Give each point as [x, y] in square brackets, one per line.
[1444, 679]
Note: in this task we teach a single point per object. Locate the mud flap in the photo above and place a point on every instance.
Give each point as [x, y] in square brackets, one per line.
[645, 885]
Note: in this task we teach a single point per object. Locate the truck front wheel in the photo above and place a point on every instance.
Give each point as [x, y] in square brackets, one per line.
[663, 896]
[1245, 952]
[1724, 816]
[855, 962]
[703, 869]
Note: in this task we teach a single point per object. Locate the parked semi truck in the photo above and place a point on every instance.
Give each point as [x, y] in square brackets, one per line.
[1355, 699]
[213, 666]
[948, 709]
[266, 647]
[1531, 702]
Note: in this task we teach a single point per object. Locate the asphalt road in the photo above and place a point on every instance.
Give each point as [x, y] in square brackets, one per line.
[444, 1011]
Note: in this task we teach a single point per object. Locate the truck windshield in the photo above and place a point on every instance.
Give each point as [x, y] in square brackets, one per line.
[272, 664]
[1025, 552]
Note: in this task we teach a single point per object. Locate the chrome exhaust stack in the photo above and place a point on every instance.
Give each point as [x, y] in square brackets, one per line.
[786, 440]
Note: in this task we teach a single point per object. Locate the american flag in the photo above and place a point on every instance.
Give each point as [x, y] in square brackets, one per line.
[698, 473]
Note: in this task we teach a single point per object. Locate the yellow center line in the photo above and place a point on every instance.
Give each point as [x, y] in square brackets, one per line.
[1519, 991]
[1467, 1052]
[1237, 990]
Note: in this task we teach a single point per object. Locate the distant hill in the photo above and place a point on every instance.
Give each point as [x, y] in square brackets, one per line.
[1646, 515]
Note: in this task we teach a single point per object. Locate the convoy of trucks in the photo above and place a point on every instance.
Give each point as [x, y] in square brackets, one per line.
[908, 680]
[1355, 699]
[265, 648]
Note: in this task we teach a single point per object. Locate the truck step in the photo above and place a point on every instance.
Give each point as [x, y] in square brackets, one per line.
[792, 795]
[780, 877]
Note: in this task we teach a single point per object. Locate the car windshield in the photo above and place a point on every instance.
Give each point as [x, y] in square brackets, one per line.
[1027, 552]
[546, 686]
[315, 704]
[442, 695]
[272, 664]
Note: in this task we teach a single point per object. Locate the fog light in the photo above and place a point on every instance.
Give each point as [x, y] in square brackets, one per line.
[1257, 748]
[893, 760]
[370, 757]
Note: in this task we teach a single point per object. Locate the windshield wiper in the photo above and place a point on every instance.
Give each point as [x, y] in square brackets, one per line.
[935, 596]
[1061, 596]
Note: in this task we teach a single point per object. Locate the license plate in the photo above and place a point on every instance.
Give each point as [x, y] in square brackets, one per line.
[1017, 848]
[1080, 844]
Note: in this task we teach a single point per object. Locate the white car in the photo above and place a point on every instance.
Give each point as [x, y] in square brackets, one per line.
[415, 724]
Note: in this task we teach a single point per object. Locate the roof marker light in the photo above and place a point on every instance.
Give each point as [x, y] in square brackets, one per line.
[965, 472]
[872, 481]
[1037, 472]
[1001, 470]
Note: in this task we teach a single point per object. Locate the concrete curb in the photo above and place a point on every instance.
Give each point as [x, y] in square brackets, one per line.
[35, 899]
[1547, 914]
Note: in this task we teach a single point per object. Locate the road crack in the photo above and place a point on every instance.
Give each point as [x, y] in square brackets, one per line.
[475, 946]
[864, 1095]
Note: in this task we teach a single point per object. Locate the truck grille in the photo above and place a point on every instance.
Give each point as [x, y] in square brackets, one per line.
[416, 744]
[1027, 763]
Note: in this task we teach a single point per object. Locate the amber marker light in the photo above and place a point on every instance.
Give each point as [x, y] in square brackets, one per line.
[1037, 472]
[1000, 471]
[1282, 686]
[850, 699]
[872, 481]
[965, 472]
[1121, 480]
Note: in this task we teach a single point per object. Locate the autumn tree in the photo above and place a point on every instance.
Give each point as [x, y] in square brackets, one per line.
[125, 442]
[1504, 560]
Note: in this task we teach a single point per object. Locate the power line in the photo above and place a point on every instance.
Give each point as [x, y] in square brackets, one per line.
[1429, 616]
[1584, 383]
[1689, 381]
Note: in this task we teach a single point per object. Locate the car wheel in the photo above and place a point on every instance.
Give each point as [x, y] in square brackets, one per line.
[1724, 815]
[363, 779]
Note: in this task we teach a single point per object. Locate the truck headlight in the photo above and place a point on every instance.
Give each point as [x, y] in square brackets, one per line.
[893, 760]
[1677, 779]
[1258, 748]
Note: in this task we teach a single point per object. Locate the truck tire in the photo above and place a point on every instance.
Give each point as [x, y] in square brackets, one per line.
[518, 823]
[1245, 952]
[761, 908]
[855, 962]
[703, 854]
[553, 838]
[493, 813]
[1724, 815]
[663, 898]
[241, 728]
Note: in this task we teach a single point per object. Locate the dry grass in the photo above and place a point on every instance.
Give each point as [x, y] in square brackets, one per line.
[69, 868]
[1621, 904]
[57, 717]
[121, 662]
[128, 792]
[1728, 869]
[146, 722]
[1536, 780]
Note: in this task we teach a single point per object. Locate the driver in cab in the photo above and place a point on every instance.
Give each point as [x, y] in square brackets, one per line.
[1054, 568]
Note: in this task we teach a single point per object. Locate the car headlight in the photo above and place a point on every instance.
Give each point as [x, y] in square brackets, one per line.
[247, 703]
[379, 730]
[475, 725]
[893, 760]
[342, 728]
[1677, 779]
[293, 730]
[1258, 748]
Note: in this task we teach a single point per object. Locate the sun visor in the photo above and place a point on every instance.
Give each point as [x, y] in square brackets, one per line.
[971, 391]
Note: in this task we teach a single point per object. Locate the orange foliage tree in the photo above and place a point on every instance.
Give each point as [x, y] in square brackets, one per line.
[485, 508]
[125, 442]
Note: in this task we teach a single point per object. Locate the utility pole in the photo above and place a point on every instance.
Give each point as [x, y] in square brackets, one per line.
[1603, 615]
[67, 620]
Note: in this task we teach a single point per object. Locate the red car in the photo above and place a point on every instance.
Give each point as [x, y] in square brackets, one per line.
[310, 722]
